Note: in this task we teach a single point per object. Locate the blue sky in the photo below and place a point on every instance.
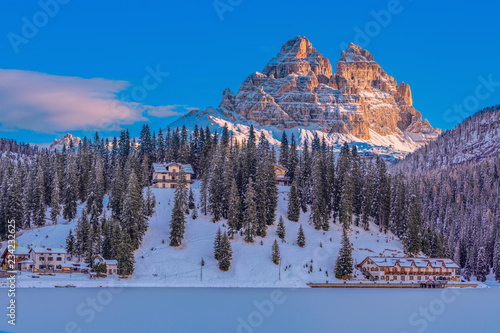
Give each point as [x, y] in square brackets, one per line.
[102, 51]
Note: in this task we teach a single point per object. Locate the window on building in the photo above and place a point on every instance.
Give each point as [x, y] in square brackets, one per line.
[59, 259]
[51, 258]
[42, 258]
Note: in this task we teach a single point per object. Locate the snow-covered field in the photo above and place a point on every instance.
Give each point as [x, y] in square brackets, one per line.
[251, 264]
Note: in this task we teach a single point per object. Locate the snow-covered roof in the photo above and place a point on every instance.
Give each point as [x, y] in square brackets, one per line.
[163, 167]
[19, 250]
[48, 250]
[29, 261]
[407, 262]
[111, 262]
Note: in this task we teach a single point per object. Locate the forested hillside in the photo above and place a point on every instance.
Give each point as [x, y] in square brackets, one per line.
[458, 180]
[475, 139]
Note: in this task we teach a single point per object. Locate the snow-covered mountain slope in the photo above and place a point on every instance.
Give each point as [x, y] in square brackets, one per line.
[251, 264]
[298, 92]
[474, 140]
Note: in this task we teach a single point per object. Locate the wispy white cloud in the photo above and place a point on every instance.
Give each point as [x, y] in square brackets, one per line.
[168, 110]
[48, 103]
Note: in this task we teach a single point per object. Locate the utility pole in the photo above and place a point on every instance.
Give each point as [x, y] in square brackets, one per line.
[202, 264]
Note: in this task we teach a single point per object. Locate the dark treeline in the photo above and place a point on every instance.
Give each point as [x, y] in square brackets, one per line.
[9, 147]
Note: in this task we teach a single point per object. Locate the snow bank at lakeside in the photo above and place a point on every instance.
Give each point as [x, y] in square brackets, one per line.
[159, 265]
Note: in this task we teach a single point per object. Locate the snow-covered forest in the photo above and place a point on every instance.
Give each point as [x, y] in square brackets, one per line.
[440, 213]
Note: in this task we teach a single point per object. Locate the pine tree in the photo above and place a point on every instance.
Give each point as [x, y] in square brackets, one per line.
[149, 203]
[275, 257]
[133, 219]
[251, 211]
[482, 268]
[281, 231]
[117, 190]
[70, 191]
[191, 204]
[178, 220]
[204, 193]
[293, 211]
[55, 205]
[301, 238]
[218, 245]
[70, 243]
[283, 159]
[234, 213]
[125, 255]
[226, 253]
[39, 199]
[343, 265]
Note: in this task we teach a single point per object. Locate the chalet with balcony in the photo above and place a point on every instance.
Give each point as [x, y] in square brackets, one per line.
[280, 172]
[166, 175]
[408, 269]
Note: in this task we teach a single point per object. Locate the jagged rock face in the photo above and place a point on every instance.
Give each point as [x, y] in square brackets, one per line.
[297, 88]
[58, 144]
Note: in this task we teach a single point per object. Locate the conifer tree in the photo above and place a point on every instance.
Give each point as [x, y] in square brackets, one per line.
[234, 213]
[133, 219]
[226, 253]
[191, 204]
[55, 200]
[293, 159]
[70, 243]
[301, 238]
[125, 255]
[177, 223]
[218, 245]
[343, 265]
[482, 268]
[283, 159]
[70, 196]
[281, 231]
[250, 215]
[117, 190]
[293, 211]
[275, 256]
[204, 193]
[39, 199]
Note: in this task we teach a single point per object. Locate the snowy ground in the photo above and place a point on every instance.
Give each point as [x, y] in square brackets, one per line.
[158, 264]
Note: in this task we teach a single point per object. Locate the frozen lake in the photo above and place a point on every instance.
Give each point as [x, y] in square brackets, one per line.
[253, 310]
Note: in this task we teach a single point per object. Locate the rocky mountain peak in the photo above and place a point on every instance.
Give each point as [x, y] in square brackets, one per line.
[66, 140]
[298, 56]
[298, 91]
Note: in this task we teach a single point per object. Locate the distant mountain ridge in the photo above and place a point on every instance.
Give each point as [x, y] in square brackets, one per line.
[475, 139]
[298, 92]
